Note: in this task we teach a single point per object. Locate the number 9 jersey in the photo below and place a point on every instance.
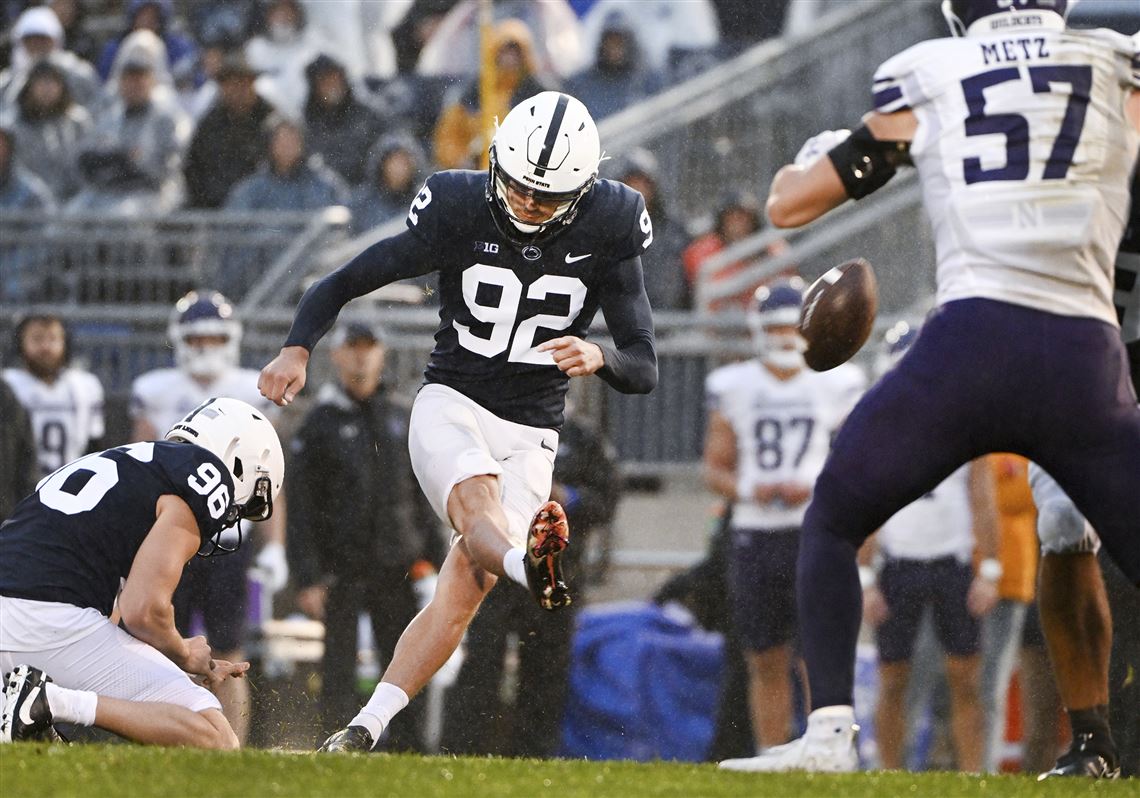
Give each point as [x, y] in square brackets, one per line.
[75, 538]
[1025, 153]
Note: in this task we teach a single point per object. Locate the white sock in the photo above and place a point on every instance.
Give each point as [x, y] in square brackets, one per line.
[387, 699]
[514, 565]
[71, 706]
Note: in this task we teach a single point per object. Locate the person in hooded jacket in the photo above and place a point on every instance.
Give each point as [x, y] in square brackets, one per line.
[155, 16]
[283, 47]
[38, 36]
[50, 127]
[618, 77]
[392, 178]
[132, 162]
[341, 128]
[459, 139]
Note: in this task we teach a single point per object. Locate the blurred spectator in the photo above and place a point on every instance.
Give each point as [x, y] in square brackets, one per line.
[156, 16]
[340, 128]
[362, 32]
[738, 217]
[285, 45]
[18, 472]
[229, 141]
[617, 78]
[20, 190]
[196, 101]
[557, 51]
[37, 36]
[1002, 628]
[290, 179]
[414, 30]
[667, 29]
[664, 273]
[65, 403]
[77, 38]
[133, 161]
[395, 170]
[226, 21]
[460, 141]
[477, 720]
[744, 23]
[49, 128]
[362, 556]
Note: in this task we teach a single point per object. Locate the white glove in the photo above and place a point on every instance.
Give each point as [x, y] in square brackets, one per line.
[273, 566]
[818, 145]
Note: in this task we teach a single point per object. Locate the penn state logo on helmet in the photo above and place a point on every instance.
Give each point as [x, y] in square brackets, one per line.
[980, 17]
[244, 440]
[773, 319]
[546, 148]
[205, 334]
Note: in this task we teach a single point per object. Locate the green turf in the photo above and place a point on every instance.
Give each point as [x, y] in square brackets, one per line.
[96, 771]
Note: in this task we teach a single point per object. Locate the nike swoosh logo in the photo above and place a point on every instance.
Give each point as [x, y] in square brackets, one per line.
[544, 444]
[26, 707]
[575, 258]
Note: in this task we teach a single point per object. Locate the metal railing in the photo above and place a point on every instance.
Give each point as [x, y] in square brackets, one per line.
[92, 259]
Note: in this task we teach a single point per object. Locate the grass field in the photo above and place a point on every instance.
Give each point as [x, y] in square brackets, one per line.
[121, 771]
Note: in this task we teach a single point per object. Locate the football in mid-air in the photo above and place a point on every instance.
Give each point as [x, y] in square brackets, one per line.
[838, 314]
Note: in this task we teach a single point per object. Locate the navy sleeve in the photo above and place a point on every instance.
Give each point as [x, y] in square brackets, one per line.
[631, 364]
[397, 258]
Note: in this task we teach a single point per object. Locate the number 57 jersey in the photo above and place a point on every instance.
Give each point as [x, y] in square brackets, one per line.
[75, 538]
[1025, 154]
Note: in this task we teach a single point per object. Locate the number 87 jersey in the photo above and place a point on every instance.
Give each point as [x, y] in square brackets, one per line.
[1025, 152]
[74, 538]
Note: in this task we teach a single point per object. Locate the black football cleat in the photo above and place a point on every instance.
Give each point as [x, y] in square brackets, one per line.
[346, 741]
[1089, 757]
[548, 538]
[26, 715]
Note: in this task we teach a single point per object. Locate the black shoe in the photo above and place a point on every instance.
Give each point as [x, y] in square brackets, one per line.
[1090, 756]
[26, 714]
[548, 538]
[346, 741]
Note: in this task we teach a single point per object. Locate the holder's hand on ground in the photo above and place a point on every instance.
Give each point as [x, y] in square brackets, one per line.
[573, 356]
[284, 377]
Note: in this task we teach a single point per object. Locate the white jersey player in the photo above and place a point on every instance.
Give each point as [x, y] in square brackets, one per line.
[65, 404]
[1024, 135]
[770, 426]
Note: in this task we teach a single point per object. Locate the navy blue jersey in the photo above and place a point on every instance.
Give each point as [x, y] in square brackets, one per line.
[75, 538]
[500, 300]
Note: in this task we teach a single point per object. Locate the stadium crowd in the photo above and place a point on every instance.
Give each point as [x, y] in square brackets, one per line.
[152, 106]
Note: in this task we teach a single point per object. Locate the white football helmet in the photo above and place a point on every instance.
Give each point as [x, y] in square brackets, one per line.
[205, 313]
[547, 147]
[778, 305]
[244, 440]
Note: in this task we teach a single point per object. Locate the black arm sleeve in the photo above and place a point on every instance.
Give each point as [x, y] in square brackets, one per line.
[631, 367]
[396, 258]
[1134, 361]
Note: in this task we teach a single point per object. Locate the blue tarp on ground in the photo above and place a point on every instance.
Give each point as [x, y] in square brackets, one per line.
[644, 684]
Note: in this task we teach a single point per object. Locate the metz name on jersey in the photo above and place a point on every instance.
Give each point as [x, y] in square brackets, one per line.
[66, 414]
[499, 302]
[74, 539]
[1025, 156]
[164, 396]
[783, 430]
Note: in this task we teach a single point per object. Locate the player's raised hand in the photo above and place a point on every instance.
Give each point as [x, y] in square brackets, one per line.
[573, 356]
[284, 377]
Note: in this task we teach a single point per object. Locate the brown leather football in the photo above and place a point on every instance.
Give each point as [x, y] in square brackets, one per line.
[838, 314]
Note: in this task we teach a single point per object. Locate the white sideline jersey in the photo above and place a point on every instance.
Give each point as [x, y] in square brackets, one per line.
[940, 524]
[66, 415]
[783, 430]
[164, 396]
[1025, 157]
